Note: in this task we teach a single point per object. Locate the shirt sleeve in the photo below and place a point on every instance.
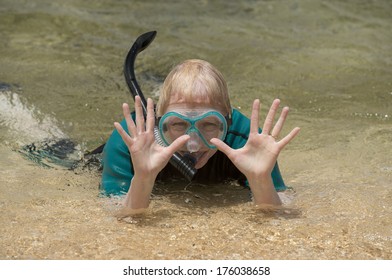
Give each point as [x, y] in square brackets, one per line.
[117, 166]
[278, 179]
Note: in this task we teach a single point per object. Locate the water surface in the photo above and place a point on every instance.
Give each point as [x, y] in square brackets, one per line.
[331, 62]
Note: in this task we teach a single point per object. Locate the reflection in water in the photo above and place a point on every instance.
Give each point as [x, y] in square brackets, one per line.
[61, 78]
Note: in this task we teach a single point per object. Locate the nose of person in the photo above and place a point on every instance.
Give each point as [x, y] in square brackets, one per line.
[194, 143]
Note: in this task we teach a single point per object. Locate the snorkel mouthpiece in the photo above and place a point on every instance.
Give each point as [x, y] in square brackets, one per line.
[193, 145]
[190, 158]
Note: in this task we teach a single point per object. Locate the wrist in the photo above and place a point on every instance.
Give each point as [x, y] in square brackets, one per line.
[139, 192]
[263, 190]
[144, 180]
[262, 180]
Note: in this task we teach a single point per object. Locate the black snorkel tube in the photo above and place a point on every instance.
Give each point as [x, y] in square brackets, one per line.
[182, 164]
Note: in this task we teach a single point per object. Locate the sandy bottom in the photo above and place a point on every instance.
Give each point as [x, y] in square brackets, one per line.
[61, 76]
[57, 214]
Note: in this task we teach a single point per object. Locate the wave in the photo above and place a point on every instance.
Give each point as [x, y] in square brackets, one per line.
[36, 135]
[22, 123]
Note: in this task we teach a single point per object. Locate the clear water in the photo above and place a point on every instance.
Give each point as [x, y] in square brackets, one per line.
[331, 62]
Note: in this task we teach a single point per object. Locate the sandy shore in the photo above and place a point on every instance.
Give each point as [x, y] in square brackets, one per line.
[57, 214]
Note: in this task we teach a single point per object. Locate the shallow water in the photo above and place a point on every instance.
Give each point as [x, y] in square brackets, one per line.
[61, 77]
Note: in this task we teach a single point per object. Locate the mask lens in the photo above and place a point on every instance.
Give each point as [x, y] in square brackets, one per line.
[203, 126]
[172, 127]
[210, 127]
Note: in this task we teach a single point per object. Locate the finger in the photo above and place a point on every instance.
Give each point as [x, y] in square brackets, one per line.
[130, 124]
[222, 146]
[279, 124]
[150, 123]
[269, 120]
[139, 115]
[289, 137]
[254, 119]
[124, 135]
[178, 143]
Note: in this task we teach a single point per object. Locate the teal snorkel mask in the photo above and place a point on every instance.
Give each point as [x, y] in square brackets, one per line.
[200, 124]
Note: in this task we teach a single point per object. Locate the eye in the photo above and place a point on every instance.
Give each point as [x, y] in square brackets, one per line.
[209, 126]
[178, 125]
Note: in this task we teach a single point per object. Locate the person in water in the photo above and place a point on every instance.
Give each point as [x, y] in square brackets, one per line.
[195, 118]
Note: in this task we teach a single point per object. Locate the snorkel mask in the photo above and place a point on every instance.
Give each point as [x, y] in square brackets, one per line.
[200, 124]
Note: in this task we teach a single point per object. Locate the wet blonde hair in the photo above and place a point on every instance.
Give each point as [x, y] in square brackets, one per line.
[192, 80]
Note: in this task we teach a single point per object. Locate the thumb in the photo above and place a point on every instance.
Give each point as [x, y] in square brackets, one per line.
[221, 146]
[178, 143]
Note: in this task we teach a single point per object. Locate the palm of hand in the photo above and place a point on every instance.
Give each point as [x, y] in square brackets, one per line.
[148, 157]
[259, 155]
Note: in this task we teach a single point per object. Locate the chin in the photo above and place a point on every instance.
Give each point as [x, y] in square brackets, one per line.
[203, 158]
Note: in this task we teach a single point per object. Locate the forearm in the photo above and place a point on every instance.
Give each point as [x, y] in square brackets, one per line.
[138, 196]
[263, 190]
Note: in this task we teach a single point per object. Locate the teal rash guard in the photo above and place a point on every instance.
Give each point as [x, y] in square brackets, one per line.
[118, 171]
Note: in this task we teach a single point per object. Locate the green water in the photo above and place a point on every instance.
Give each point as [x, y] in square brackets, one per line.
[330, 61]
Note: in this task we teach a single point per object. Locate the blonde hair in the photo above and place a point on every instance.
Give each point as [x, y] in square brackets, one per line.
[192, 80]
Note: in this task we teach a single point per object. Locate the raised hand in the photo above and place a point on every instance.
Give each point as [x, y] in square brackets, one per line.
[148, 157]
[258, 157]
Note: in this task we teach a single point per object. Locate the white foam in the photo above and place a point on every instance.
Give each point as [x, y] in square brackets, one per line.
[22, 124]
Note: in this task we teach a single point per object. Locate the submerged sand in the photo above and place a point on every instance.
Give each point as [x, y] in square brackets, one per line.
[58, 214]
